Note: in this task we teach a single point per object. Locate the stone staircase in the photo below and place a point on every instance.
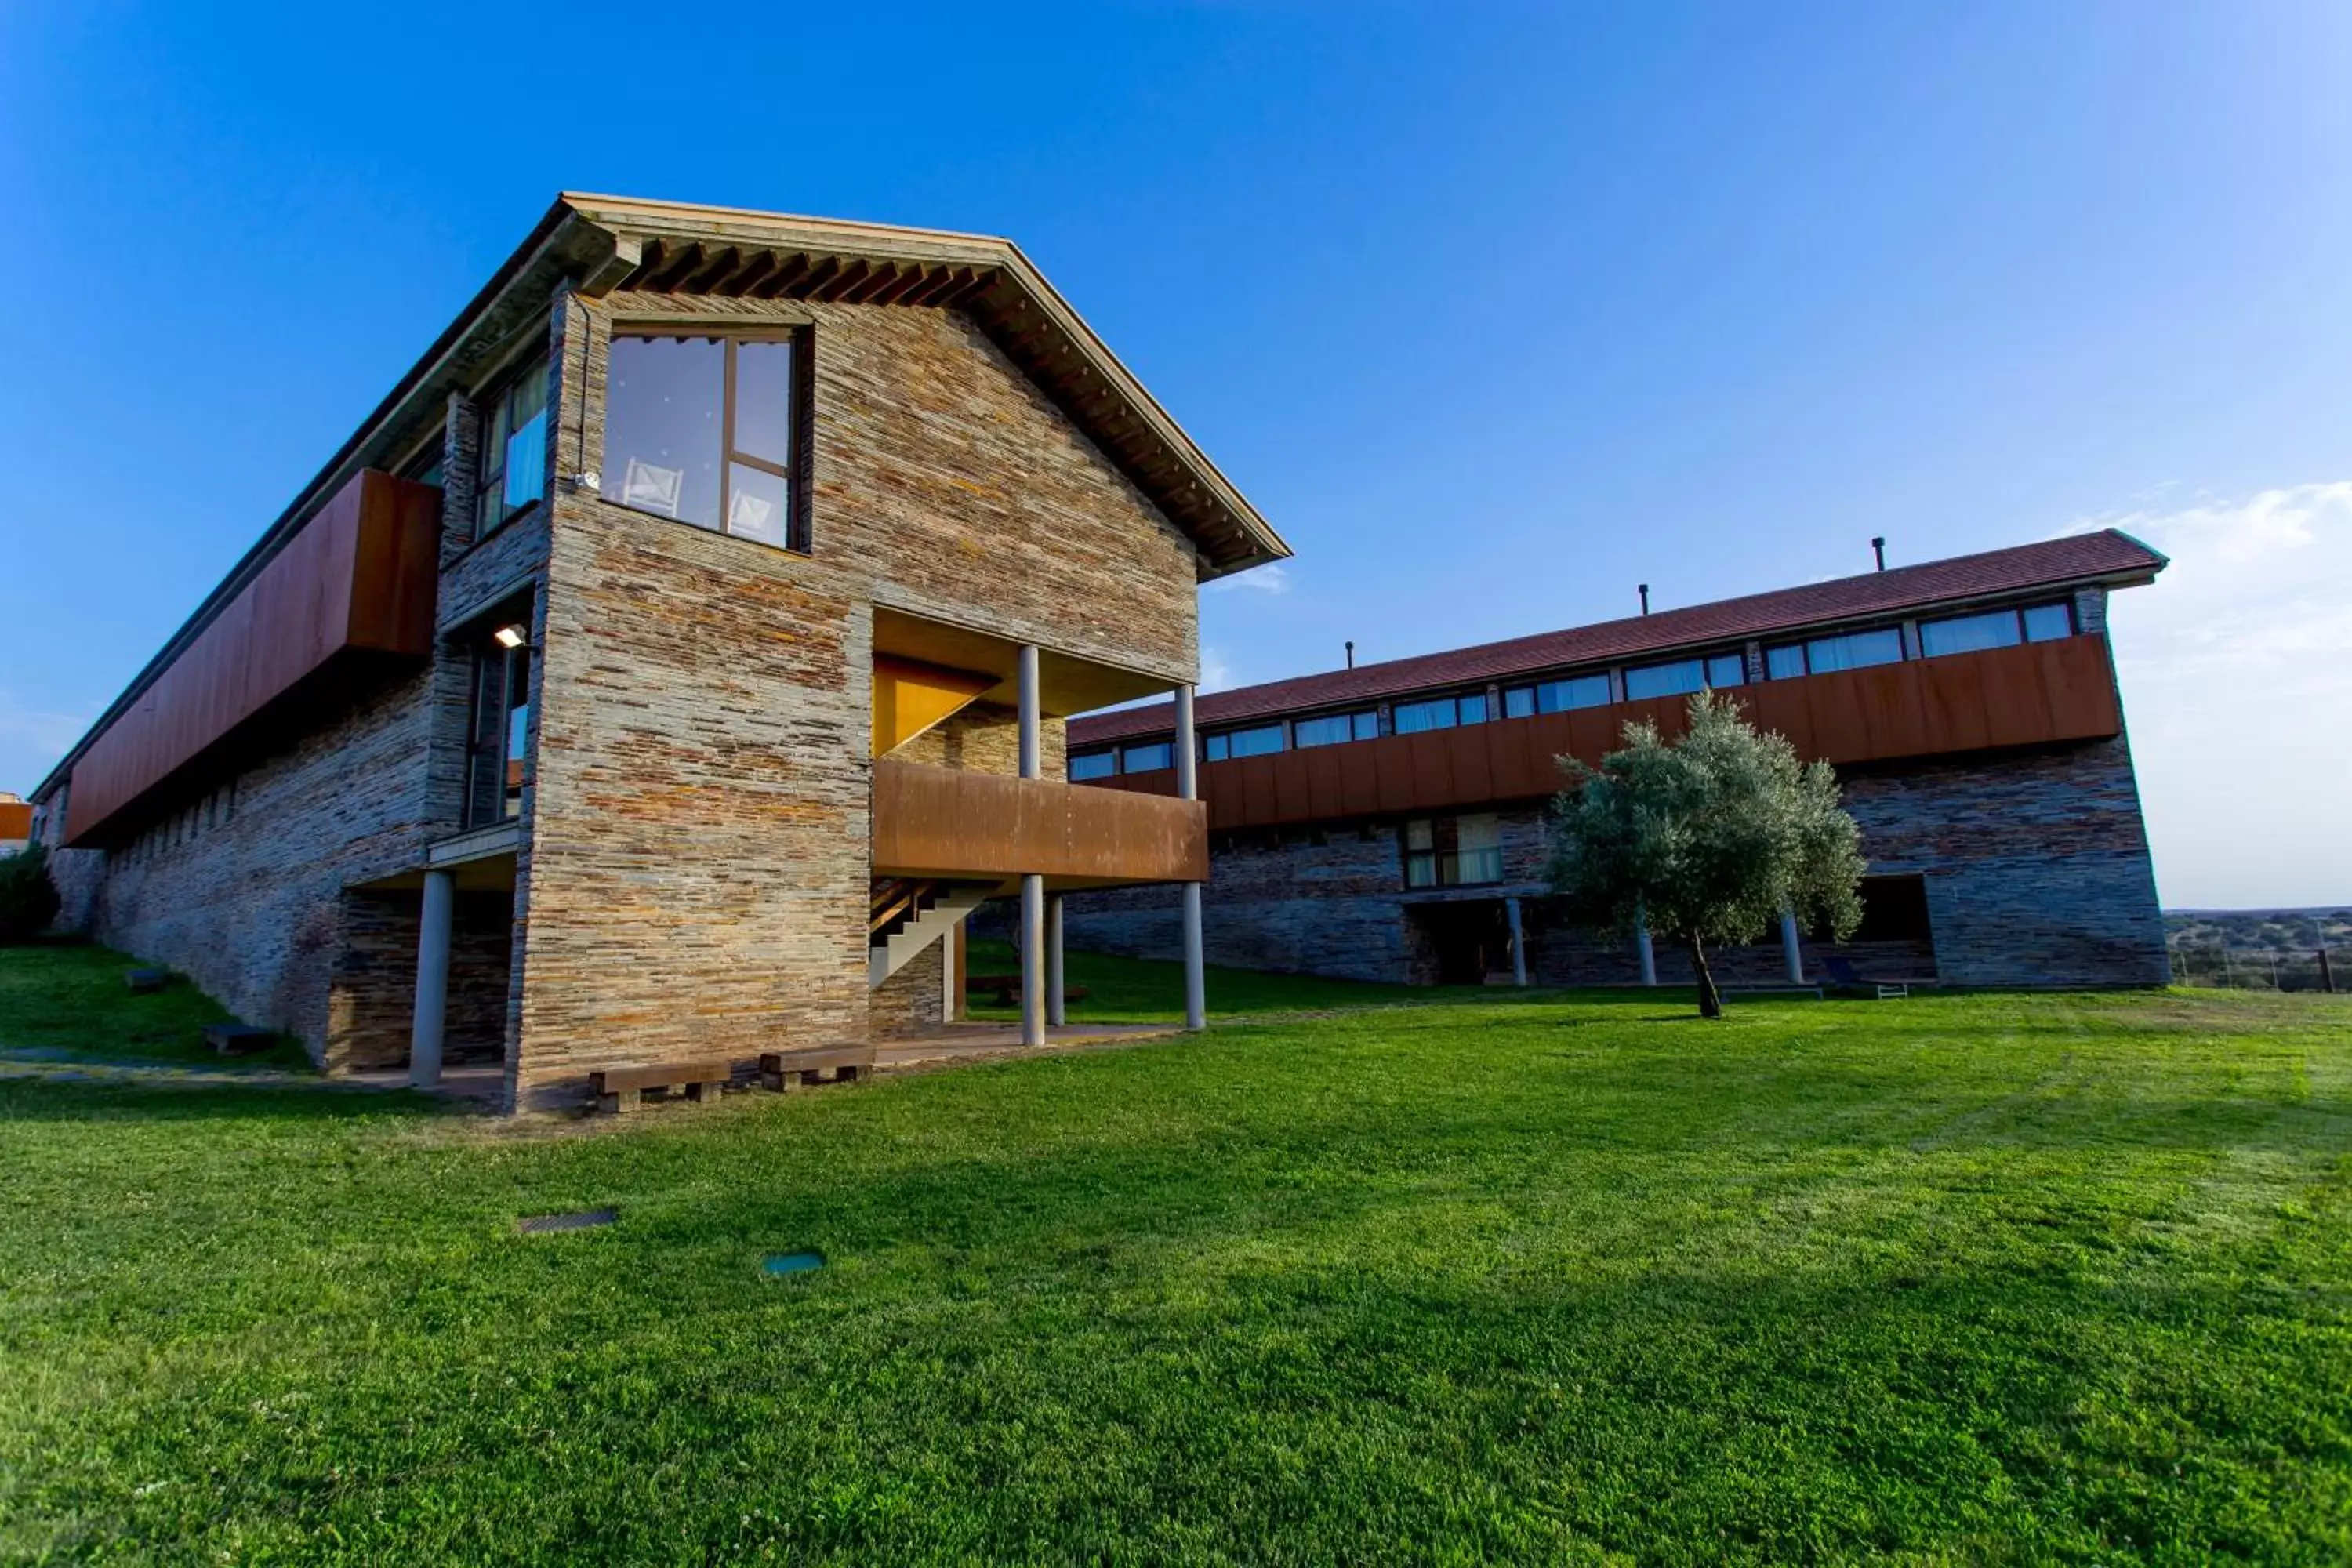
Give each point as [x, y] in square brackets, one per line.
[907, 915]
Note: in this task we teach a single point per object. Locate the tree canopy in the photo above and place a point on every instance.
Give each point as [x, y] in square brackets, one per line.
[1705, 839]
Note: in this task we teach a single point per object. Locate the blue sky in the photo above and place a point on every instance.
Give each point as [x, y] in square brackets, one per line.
[1496, 313]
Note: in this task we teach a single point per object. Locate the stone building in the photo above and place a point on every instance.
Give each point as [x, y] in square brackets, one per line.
[1386, 821]
[668, 663]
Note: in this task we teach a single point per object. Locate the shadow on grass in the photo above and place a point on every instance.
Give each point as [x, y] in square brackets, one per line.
[102, 1099]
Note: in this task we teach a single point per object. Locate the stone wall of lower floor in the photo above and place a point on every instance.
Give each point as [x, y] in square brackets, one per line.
[373, 990]
[238, 879]
[2035, 866]
[914, 999]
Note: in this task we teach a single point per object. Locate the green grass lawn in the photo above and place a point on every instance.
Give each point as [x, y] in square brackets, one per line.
[1963, 1279]
[1140, 991]
[66, 1001]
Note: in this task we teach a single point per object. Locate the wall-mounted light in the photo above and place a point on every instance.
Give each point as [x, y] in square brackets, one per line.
[513, 635]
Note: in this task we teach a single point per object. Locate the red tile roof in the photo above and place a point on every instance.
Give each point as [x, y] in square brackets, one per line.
[2104, 556]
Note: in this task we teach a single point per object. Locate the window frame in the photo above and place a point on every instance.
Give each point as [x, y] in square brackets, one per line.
[1361, 724]
[1107, 754]
[2016, 614]
[1803, 649]
[1706, 681]
[534, 365]
[1454, 701]
[495, 743]
[1533, 693]
[798, 475]
[1439, 859]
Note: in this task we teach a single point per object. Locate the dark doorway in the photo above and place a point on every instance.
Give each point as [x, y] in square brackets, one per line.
[1463, 943]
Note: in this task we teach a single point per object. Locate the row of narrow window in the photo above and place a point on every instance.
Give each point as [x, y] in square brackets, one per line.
[1675, 677]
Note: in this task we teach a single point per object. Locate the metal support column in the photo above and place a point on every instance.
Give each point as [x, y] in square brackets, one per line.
[1029, 747]
[1649, 959]
[1032, 884]
[1187, 788]
[435, 919]
[1518, 942]
[1792, 956]
[1033, 960]
[1057, 1013]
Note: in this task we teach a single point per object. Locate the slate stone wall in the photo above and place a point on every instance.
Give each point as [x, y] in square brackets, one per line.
[914, 999]
[2036, 869]
[700, 858]
[240, 884]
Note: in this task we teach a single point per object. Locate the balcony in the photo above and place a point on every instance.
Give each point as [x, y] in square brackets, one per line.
[946, 822]
[355, 585]
[2033, 694]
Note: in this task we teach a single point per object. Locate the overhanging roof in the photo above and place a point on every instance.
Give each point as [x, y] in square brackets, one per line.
[2108, 557]
[597, 244]
[677, 248]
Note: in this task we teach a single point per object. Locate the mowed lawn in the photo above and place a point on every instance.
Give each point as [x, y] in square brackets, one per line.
[1974, 1278]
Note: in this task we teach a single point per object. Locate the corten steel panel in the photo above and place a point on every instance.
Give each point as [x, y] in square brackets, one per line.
[945, 822]
[360, 576]
[2035, 694]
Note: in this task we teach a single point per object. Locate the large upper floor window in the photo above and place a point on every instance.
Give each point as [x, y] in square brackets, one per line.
[1086, 766]
[1331, 729]
[498, 736]
[1441, 713]
[1685, 675]
[1453, 851]
[1148, 757]
[1855, 650]
[709, 430]
[1556, 696]
[1255, 742]
[513, 465]
[1996, 628]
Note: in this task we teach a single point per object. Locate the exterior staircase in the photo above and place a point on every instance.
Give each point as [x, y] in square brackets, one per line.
[907, 915]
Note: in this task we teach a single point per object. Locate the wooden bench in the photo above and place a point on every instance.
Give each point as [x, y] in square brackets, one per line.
[815, 1065]
[618, 1089]
[239, 1039]
[1005, 989]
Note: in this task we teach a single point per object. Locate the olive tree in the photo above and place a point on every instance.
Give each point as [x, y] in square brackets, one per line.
[1705, 839]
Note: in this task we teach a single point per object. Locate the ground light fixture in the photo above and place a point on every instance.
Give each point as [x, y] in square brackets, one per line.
[781, 1264]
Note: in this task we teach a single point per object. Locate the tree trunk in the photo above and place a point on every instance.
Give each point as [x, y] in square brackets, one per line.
[1710, 1000]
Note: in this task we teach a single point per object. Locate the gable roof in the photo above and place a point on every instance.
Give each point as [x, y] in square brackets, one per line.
[677, 248]
[2109, 557]
[597, 244]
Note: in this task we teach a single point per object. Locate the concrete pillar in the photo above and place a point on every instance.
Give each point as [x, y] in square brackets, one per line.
[436, 917]
[1187, 788]
[1057, 1013]
[1792, 956]
[1033, 960]
[948, 971]
[1519, 944]
[1029, 742]
[1649, 959]
[1033, 983]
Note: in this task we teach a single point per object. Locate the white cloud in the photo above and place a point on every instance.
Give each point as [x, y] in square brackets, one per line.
[1215, 673]
[2237, 678]
[1271, 578]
